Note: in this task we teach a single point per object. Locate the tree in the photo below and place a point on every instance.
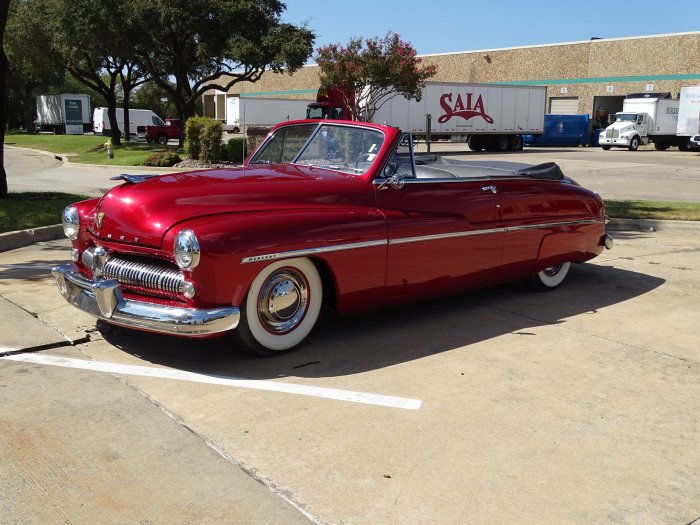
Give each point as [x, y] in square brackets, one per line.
[152, 96]
[372, 71]
[4, 8]
[95, 39]
[33, 68]
[196, 45]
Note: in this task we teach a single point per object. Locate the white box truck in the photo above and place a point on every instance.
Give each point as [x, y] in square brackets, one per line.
[243, 112]
[65, 113]
[487, 116]
[138, 120]
[645, 118]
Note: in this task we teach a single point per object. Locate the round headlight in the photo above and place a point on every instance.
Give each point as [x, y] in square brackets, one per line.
[71, 222]
[186, 249]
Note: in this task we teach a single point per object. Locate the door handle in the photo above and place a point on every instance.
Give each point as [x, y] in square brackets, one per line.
[490, 187]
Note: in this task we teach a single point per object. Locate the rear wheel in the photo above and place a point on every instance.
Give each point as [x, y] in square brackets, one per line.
[281, 308]
[661, 146]
[475, 143]
[550, 278]
[515, 143]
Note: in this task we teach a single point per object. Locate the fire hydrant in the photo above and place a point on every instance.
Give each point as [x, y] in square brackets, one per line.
[110, 150]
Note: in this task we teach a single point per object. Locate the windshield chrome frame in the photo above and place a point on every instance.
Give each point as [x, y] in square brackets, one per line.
[313, 134]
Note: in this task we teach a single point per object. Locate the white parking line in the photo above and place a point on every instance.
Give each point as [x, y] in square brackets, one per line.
[179, 375]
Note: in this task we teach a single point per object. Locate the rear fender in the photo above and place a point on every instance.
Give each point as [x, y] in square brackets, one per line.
[569, 246]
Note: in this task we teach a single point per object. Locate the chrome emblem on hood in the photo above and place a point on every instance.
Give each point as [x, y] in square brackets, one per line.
[98, 220]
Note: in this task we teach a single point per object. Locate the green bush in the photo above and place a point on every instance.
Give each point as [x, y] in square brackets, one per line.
[203, 139]
[234, 150]
[210, 140]
[193, 131]
[162, 160]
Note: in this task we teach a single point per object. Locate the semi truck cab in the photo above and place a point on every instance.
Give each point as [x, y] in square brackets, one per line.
[326, 110]
[628, 130]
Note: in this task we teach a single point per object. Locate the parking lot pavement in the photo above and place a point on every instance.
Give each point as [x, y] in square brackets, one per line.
[87, 448]
[577, 406]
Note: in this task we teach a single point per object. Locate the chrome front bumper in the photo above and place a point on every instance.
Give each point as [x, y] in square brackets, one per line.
[104, 300]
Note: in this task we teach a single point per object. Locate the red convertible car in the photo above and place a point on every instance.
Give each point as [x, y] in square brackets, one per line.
[337, 213]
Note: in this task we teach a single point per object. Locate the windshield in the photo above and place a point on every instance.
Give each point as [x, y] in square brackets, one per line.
[626, 117]
[343, 148]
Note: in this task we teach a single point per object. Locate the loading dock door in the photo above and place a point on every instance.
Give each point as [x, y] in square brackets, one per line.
[563, 105]
[603, 106]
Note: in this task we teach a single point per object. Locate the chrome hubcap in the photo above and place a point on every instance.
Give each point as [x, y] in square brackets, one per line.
[283, 301]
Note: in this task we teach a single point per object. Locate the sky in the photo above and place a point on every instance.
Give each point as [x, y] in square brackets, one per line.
[443, 26]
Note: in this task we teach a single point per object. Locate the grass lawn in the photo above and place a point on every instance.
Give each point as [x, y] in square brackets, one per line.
[23, 211]
[660, 210]
[88, 149]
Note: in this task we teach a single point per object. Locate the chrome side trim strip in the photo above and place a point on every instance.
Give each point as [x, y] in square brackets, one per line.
[405, 240]
[313, 251]
[551, 225]
[438, 236]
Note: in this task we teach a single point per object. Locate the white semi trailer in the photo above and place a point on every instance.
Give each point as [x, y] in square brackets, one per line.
[486, 116]
[243, 112]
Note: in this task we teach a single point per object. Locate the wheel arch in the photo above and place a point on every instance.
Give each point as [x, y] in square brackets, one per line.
[328, 282]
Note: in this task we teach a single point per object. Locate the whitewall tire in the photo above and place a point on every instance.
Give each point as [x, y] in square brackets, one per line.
[551, 277]
[281, 307]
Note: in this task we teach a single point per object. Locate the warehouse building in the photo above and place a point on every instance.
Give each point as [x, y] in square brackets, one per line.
[590, 77]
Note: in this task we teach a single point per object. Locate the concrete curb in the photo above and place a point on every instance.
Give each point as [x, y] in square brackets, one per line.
[650, 225]
[22, 238]
[65, 158]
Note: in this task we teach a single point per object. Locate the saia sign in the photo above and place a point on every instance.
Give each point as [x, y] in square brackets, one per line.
[467, 107]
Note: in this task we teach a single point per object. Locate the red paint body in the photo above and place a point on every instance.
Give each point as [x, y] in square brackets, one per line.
[262, 209]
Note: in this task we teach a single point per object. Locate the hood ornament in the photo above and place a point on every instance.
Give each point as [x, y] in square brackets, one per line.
[98, 220]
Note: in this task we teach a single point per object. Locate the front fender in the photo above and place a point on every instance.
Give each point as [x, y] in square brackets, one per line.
[350, 242]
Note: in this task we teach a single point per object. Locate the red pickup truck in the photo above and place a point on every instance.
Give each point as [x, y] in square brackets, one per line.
[171, 130]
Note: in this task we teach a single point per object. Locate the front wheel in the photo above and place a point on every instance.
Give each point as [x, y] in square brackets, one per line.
[606, 148]
[281, 308]
[162, 139]
[634, 144]
[550, 278]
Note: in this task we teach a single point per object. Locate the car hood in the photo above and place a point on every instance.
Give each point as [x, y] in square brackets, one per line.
[142, 212]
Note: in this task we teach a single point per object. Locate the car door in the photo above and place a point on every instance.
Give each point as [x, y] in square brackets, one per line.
[443, 232]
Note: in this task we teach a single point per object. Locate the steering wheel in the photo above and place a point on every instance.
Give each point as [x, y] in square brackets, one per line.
[369, 158]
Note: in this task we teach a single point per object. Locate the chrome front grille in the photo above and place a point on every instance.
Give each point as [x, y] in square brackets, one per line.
[612, 133]
[141, 277]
